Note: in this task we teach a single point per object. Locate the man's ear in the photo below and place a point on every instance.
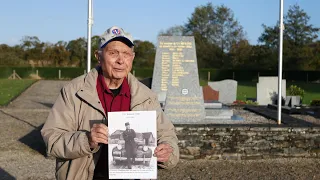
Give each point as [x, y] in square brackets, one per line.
[97, 55]
[134, 54]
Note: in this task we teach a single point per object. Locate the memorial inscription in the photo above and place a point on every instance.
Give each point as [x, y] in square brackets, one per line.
[176, 80]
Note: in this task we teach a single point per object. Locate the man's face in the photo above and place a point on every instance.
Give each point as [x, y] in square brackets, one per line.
[116, 60]
[127, 126]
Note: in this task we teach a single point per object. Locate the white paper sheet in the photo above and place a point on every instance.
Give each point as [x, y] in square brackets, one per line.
[143, 124]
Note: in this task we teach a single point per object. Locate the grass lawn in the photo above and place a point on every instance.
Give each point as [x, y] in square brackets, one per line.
[248, 89]
[10, 89]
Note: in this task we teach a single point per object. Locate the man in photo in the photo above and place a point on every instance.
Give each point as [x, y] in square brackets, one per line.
[130, 145]
[81, 149]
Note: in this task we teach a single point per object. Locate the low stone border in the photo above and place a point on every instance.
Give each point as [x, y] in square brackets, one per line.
[247, 142]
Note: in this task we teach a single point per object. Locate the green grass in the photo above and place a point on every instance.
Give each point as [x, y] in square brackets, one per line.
[248, 89]
[10, 89]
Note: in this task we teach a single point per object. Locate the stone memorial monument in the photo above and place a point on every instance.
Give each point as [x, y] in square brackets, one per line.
[176, 80]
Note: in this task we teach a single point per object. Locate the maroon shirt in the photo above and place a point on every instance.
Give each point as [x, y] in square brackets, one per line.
[110, 103]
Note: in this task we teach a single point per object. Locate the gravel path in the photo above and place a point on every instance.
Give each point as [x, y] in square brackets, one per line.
[41, 95]
[22, 149]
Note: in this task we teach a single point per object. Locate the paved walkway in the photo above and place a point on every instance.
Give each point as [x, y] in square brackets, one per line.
[22, 148]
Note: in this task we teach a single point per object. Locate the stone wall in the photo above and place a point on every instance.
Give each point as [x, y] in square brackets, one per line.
[245, 142]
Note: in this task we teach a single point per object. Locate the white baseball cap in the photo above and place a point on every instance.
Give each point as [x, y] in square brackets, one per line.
[115, 33]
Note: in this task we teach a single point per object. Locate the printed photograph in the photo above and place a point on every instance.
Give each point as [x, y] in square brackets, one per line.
[132, 141]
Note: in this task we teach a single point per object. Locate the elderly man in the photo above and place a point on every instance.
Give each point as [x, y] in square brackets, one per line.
[76, 130]
[130, 144]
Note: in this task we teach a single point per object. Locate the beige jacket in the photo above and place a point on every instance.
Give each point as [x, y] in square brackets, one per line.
[73, 114]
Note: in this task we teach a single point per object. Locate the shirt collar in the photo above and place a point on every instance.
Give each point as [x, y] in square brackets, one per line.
[125, 89]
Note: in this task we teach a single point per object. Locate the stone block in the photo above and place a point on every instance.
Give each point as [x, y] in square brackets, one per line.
[209, 94]
[194, 151]
[253, 157]
[224, 113]
[295, 151]
[212, 105]
[215, 157]
[189, 157]
[279, 129]
[293, 101]
[227, 90]
[280, 144]
[267, 90]
[301, 144]
[278, 138]
[231, 156]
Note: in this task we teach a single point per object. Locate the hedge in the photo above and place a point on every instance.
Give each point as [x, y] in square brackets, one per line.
[215, 74]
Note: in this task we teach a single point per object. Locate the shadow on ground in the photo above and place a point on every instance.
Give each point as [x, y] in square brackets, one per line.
[5, 176]
[34, 141]
[49, 105]
[19, 119]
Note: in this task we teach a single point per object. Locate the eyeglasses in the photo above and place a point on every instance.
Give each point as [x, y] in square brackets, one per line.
[116, 54]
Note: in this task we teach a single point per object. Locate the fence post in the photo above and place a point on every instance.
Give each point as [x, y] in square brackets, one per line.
[84, 72]
[59, 74]
[209, 76]
[37, 72]
[14, 74]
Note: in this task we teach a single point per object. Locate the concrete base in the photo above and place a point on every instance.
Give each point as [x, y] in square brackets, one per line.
[223, 113]
[212, 105]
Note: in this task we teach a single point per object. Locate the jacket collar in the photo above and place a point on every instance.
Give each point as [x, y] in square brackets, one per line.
[139, 93]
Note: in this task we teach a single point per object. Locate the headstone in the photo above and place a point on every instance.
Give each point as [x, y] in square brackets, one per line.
[227, 90]
[176, 80]
[209, 94]
[293, 101]
[267, 90]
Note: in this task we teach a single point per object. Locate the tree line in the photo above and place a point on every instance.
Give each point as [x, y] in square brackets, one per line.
[221, 43]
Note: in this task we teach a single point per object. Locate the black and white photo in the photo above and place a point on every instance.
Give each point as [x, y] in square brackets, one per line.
[132, 141]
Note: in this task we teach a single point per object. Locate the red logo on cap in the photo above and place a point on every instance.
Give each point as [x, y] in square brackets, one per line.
[116, 31]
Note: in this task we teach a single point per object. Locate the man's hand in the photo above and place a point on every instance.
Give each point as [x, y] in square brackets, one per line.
[163, 152]
[98, 134]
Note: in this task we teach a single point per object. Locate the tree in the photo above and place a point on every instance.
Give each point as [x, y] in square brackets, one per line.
[144, 54]
[30, 45]
[298, 35]
[173, 31]
[315, 61]
[217, 24]
[77, 49]
[94, 47]
[240, 54]
[298, 30]
[10, 55]
[60, 54]
[215, 30]
[262, 57]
